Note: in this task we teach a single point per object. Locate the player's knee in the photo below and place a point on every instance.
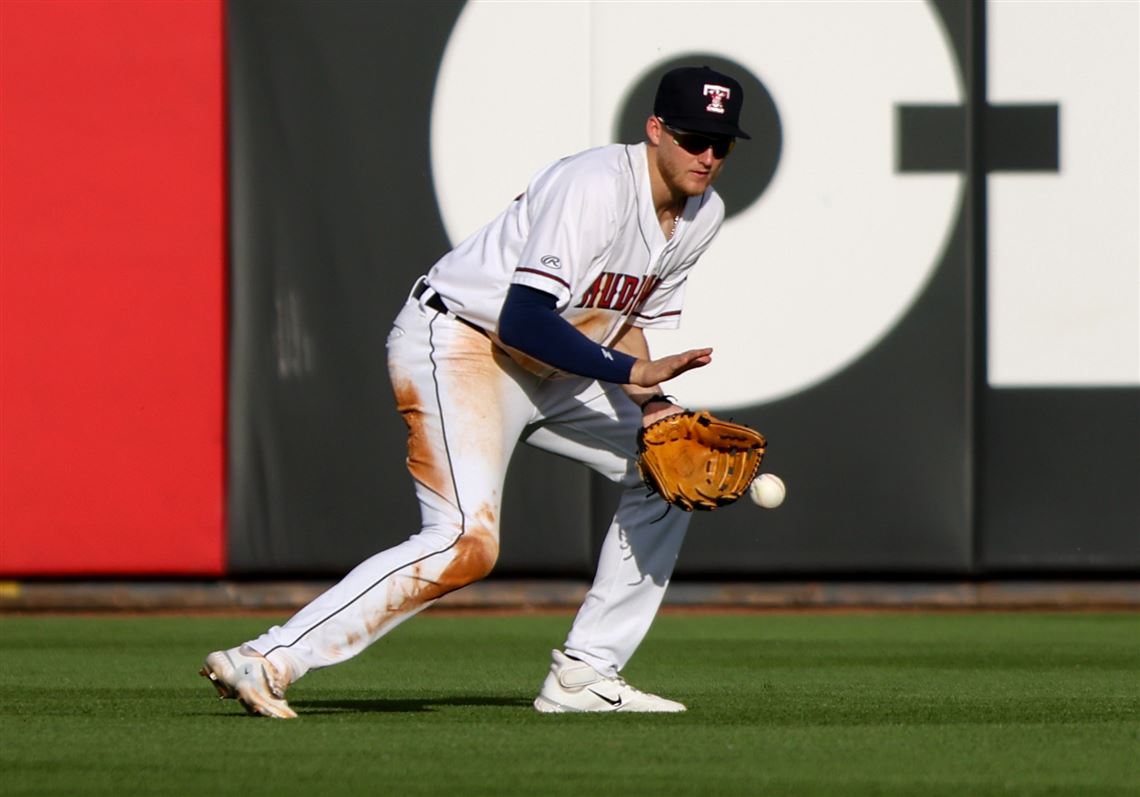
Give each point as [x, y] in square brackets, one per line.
[629, 476]
[621, 470]
[484, 553]
[473, 558]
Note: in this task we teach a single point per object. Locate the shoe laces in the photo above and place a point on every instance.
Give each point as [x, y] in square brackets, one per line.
[624, 684]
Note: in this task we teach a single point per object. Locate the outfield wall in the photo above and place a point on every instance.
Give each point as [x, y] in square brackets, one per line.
[933, 240]
[112, 307]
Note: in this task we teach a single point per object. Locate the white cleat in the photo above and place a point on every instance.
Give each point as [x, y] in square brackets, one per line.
[246, 675]
[573, 685]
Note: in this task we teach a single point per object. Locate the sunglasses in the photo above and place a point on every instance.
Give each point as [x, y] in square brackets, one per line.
[696, 143]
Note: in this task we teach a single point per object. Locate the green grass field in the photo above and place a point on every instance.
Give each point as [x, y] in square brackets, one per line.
[886, 704]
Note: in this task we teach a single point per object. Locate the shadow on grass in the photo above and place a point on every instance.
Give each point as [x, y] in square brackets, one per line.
[375, 705]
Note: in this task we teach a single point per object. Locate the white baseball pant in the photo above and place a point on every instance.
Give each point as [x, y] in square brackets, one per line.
[466, 404]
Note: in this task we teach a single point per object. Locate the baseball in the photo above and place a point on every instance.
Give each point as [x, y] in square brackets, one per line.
[767, 490]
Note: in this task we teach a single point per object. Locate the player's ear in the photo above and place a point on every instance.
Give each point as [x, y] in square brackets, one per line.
[653, 130]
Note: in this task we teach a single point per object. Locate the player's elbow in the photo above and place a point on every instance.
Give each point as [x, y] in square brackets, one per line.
[527, 315]
[512, 327]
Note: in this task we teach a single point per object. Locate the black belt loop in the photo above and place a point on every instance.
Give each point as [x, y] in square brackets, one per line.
[435, 302]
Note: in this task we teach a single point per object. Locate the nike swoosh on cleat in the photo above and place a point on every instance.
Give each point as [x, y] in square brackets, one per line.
[614, 703]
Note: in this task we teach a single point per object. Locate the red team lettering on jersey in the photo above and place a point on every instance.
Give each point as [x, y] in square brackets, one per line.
[618, 292]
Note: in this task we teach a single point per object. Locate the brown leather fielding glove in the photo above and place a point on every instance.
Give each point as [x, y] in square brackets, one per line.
[696, 461]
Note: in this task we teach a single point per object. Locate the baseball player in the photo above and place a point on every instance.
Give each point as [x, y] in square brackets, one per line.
[532, 330]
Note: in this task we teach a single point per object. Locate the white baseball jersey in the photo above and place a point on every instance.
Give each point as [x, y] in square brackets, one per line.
[587, 232]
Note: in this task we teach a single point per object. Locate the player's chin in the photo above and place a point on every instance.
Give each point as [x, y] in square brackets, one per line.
[698, 182]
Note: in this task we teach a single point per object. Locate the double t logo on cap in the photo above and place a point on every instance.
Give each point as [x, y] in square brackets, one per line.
[717, 95]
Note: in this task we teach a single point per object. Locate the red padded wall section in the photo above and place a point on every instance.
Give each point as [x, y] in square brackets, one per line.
[112, 315]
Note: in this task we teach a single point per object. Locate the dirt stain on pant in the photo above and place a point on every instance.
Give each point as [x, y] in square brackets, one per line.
[471, 558]
[421, 453]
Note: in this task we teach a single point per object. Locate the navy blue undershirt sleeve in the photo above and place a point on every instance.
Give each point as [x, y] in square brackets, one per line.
[529, 323]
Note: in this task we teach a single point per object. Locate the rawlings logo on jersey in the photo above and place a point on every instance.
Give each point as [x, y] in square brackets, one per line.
[717, 95]
[619, 292]
[550, 261]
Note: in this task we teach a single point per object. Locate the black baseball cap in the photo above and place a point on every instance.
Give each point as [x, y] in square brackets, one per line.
[700, 100]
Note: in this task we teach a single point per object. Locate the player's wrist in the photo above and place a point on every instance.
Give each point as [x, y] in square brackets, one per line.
[656, 406]
[657, 411]
[655, 398]
[642, 374]
[635, 372]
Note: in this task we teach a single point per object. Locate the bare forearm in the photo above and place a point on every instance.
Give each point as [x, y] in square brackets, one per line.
[632, 341]
[649, 397]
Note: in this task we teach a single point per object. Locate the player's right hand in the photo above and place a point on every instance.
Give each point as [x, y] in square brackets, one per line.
[647, 373]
